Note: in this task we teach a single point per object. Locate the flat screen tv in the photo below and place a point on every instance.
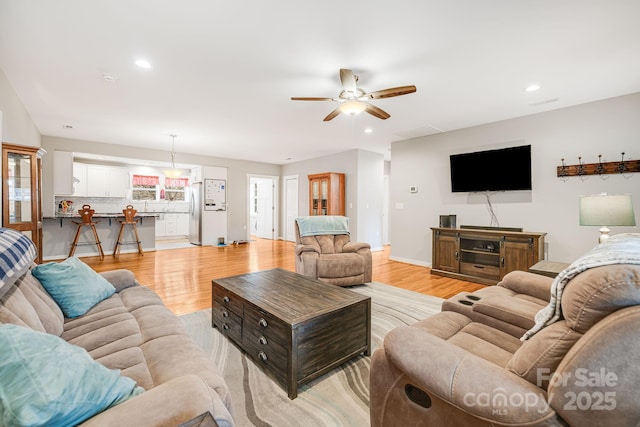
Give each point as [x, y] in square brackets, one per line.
[505, 169]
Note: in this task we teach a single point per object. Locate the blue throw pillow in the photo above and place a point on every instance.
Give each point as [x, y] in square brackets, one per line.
[47, 381]
[73, 285]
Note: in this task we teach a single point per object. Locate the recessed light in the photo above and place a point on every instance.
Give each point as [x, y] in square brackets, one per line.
[368, 130]
[143, 63]
[532, 88]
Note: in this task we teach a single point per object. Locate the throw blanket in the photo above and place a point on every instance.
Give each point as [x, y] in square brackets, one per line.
[321, 224]
[17, 253]
[619, 249]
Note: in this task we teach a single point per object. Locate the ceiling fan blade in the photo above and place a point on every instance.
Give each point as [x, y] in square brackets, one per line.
[297, 98]
[377, 112]
[388, 93]
[348, 80]
[332, 115]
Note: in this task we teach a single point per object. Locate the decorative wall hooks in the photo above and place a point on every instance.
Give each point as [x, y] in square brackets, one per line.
[601, 168]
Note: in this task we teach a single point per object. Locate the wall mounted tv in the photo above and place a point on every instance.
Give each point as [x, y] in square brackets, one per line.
[504, 169]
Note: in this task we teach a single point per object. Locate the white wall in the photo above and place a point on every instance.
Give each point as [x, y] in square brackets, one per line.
[606, 127]
[364, 173]
[370, 198]
[214, 223]
[16, 126]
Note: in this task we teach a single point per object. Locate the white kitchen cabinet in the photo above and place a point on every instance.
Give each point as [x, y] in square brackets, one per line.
[172, 225]
[160, 226]
[107, 181]
[62, 173]
[183, 224]
[80, 180]
[119, 182]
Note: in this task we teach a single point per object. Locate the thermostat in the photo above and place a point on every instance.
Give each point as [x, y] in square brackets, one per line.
[413, 189]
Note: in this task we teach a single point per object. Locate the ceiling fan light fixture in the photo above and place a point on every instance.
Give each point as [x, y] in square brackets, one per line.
[353, 107]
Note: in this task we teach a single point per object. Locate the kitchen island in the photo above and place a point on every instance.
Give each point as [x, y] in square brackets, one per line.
[59, 230]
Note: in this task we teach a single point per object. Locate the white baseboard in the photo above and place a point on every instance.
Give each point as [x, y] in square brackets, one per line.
[410, 261]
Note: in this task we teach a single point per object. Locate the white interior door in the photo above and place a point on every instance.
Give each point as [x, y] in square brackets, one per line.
[265, 208]
[291, 206]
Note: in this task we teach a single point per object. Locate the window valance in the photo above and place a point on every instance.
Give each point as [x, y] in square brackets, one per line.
[145, 180]
[176, 182]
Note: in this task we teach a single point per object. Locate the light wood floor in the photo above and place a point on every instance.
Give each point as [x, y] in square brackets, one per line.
[182, 277]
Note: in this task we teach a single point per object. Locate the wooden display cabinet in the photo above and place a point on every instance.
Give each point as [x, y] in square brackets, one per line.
[21, 191]
[484, 255]
[326, 194]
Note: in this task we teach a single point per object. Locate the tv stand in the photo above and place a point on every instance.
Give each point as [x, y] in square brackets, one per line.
[486, 227]
[484, 255]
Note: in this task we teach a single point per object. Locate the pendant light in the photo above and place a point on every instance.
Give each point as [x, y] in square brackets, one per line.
[173, 172]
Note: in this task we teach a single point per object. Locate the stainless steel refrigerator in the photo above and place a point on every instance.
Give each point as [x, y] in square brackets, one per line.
[195, 214]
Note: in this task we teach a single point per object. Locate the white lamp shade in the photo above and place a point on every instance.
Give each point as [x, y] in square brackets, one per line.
[603, 210]
[172, 173]
[353, 107]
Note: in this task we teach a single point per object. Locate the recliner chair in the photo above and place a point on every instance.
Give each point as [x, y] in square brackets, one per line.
[332, 258]
[466, 368]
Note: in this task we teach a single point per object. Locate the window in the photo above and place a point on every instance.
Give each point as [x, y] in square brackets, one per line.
[145, 187]
[174, 188]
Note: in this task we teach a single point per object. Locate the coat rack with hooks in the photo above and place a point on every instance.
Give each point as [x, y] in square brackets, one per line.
[601, 168]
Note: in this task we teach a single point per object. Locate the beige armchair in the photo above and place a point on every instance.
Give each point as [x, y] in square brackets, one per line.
[468, 366]
[328, 253]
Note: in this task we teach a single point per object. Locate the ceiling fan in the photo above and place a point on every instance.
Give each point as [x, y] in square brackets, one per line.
[352, 98]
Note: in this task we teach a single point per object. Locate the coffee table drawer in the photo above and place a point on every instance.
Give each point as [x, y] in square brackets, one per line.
[227, 322]
[226, 299]
[270, 357]
[262, 342]
[263, 323]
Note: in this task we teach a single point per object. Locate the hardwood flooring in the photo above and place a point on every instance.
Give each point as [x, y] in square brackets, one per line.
[182, 277]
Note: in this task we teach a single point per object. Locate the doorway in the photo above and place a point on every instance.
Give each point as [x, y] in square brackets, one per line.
[262, 204]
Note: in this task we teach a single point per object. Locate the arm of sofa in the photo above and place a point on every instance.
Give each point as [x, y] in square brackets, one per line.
[300, 249]
[355, 247]
[466, 381]
[169, 404]
[120, 279]
[523, 282]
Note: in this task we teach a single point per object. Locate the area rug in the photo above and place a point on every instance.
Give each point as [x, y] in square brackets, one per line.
[339, 398]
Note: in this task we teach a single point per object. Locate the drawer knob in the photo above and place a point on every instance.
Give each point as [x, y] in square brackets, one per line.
[225, 327]
[262, 340]
[263, 356]
[262, 322]
[225, 313]
[226, 299]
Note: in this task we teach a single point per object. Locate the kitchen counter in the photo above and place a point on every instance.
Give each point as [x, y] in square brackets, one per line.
[58, 233]
[102, 215]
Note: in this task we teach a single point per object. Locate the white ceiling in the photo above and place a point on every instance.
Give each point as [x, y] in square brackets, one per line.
[223, 72]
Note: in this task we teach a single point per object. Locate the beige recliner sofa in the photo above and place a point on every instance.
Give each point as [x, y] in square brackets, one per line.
[130, 331]
[324, 251]
[467, 366]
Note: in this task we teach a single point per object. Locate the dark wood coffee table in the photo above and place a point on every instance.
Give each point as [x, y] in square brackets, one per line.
[294, 327]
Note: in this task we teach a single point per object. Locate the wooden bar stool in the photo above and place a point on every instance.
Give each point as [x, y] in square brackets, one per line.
[86, 213]
[129, 213]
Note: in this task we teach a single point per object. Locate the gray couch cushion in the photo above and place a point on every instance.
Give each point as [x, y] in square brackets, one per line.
[28, 304]
[133, 331]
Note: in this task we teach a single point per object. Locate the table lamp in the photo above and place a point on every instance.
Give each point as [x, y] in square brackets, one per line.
[605, 210]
